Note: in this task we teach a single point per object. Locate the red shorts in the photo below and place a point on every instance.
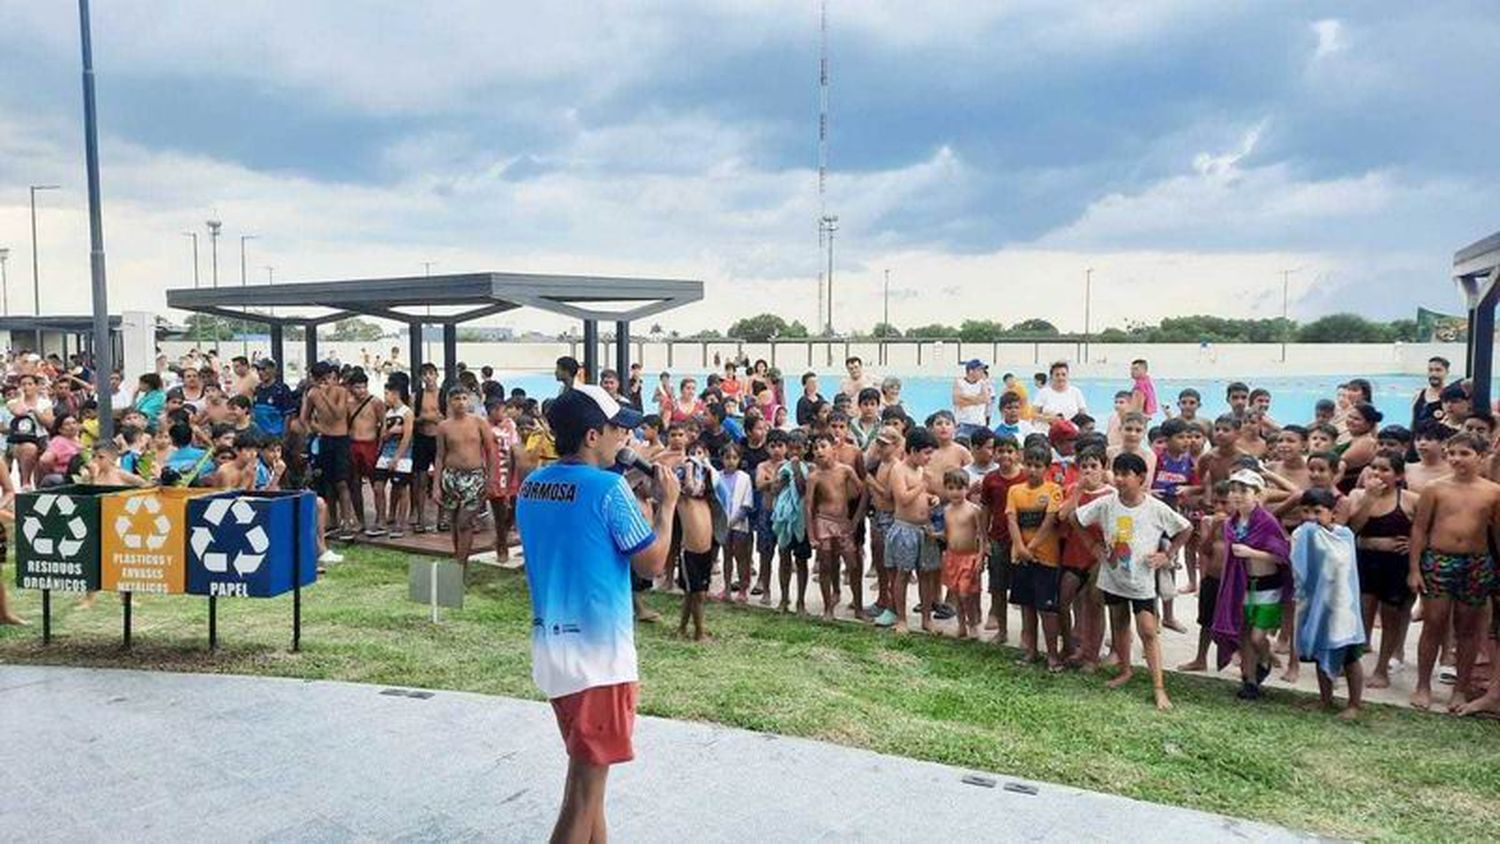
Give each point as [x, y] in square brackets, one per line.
[596, 723]
[362, 454]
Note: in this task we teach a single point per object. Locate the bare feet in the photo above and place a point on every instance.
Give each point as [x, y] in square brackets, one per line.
[649, 617]
[1195, 665]
[927, 624]
[1120, 679]
[992, 623]
[1349, 714]
[703, 636]
[1163, 703]
[1055, 666]
[900, 628]
[765, 600]
[1421, 699]
[1281, 646]
[782, 607]
[1291, 674]
[12, 619]
[1485, 703]
[1457, 701]
[828, 614]
[801, 608]
[1174, 624]
[87, 602]
[1378, 680]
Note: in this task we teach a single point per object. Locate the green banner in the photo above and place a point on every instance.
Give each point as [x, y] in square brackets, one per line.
[1433, 327]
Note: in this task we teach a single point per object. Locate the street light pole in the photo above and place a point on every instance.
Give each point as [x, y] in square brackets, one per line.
[36, 287]
[1286, 276]
[4, 280]
[830, 225]
[244, 341]
[213, 246]
[1088, 303]
[103, 357]
[198, 318]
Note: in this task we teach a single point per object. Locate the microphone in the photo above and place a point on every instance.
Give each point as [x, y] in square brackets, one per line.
[630, 459]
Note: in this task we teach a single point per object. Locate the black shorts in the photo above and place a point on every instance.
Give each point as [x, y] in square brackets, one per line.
[1208, 600]
[639, 584]
[999, 566]
[1137, 605]
[1034, 585]
[1080, 575]
[423, 453]
[1384, 576]
[696, 570]
[334, 459]
[395, 478]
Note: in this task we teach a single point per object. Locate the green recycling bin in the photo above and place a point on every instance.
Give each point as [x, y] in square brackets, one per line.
[57, 537]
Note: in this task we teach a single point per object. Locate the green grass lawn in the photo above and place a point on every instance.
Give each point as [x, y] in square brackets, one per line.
[1395, 774]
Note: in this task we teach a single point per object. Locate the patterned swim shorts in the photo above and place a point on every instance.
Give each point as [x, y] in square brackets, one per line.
[463, 489]
[1466, 578]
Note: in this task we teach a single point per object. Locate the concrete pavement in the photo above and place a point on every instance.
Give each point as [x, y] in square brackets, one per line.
[108, 755]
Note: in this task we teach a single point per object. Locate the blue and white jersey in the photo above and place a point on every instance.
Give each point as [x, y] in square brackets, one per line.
[579, 527]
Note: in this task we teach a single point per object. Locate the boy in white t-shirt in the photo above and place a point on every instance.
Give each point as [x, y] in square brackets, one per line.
[1134, 525]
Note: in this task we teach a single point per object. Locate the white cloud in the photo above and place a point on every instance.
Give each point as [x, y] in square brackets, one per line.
[1330, 34]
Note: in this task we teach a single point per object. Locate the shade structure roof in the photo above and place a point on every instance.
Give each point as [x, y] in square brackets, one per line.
[1478, 261]
[83, 324]
[464, 297]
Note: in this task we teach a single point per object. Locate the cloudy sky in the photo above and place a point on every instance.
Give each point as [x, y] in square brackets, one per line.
[985, 153]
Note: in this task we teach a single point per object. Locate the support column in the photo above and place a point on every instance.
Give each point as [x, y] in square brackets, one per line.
[591, 350]
[310, 343]
[622, 353]
[414, 331]
[278, 343]
[1482, 347]
[450, 352]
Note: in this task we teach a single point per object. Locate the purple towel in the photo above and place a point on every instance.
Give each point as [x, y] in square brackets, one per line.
[1264, 534]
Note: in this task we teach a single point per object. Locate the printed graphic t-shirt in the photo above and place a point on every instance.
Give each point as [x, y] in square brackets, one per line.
[1132, 534]
[579, 527]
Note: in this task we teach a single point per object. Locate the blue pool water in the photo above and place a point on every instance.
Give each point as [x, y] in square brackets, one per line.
[1292, 398]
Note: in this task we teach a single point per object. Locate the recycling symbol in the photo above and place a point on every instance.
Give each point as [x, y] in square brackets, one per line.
[69, 540]
[227, 520]
[143, 524]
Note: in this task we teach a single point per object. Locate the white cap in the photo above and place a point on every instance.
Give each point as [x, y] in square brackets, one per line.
[1248, 478]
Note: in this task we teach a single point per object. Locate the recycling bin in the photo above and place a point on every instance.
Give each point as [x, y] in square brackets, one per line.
[144, 548]
[253, 544]
[58, 537]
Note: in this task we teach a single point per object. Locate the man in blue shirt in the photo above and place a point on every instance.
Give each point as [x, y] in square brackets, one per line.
[583, 532]
[274, 401]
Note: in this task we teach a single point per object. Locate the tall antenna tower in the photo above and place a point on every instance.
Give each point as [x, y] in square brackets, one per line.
[822, 153]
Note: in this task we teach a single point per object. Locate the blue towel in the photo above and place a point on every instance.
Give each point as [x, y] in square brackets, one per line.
[788, 521]
[1327, 588]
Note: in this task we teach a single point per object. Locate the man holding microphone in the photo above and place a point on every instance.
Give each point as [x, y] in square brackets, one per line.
[583, 533]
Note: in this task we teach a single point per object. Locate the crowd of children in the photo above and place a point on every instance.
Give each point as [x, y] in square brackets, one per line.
[1297, 540]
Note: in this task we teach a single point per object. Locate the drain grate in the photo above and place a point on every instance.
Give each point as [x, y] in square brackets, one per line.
[412, 693]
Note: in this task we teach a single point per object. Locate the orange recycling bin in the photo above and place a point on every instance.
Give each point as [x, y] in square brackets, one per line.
[144, 547]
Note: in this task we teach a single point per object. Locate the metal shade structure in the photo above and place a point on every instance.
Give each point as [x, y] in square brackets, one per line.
[1476, 269]
[470, 296]
[80, 327]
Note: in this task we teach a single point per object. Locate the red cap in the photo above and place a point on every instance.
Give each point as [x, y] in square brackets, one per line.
[1062, 429]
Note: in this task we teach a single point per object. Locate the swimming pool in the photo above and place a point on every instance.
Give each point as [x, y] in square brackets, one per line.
[1292, 398]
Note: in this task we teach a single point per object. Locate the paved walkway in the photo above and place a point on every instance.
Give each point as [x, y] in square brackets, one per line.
[102, 755]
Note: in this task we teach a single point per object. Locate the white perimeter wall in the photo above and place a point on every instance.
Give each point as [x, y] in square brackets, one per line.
[1174, 360]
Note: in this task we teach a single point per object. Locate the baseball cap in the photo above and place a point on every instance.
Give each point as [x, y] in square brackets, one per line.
[973, 363]
[265, 363]
[1248, 478]
[1062, 429]
[588, 406]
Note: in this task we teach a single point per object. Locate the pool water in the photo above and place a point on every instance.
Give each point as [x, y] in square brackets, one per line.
[1292, 398]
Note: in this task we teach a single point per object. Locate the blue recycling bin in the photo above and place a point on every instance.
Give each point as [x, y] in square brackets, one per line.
[252, 544]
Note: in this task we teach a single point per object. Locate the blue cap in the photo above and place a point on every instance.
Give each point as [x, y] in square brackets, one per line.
[974, 363]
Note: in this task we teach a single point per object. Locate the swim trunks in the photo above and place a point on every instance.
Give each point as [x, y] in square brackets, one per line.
[1263, 602]
[1035, 585]
[1466, 578]
[1208, 599]
[697, 570]
[1000, 567]
[904, 548]
[961, 572]
[1137, 605]
[363, 453]
[463, 489]
[834, 533]
[596, 723]
[333, 459]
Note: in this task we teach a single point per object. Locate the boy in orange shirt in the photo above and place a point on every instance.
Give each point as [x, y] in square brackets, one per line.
[1031, 514]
